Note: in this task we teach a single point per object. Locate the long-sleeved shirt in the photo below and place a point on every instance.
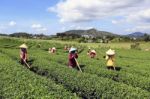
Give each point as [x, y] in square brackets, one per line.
[71, 58]
[92, 55]
[23, 54]
[110, 61]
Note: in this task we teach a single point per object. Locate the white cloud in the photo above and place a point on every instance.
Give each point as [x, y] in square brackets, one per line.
[38, 28]
[42, 29]
[5, 27]
[141, 20]
[88, 10]
[12, 23]
[141, 28]
[141, 16]
[83, 28]
[114, 21]
[123, 13]
[76, 27]
[35, 26]
[119, 21]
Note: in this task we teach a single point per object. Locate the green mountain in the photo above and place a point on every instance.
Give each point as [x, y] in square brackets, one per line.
[91, 32]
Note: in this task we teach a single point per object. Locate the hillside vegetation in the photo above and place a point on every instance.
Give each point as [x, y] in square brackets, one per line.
[51, 78]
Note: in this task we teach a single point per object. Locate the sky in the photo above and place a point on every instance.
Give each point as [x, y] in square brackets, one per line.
[52, 16]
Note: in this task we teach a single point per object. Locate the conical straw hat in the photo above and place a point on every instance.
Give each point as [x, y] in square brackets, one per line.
[54, 48]
[93, 51]
[110, 52]
[23, 46]
[72, 49]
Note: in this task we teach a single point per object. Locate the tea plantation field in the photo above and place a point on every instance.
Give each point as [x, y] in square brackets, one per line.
[50, 78]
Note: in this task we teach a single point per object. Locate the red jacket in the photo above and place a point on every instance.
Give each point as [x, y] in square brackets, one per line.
[23, 53]
[92, 55]
[72, 61]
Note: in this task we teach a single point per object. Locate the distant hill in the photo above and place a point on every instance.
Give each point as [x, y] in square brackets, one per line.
[136, 34]
[91, 32]
[2, 34]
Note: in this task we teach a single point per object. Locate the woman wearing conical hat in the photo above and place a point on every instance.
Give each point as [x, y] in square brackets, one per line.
[110, 57]
[23, 53]
[72, 56]
[53, 50]
[92, 54]
[65, 47]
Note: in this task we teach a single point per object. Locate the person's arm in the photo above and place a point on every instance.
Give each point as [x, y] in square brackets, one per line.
[113, 58]
[26, 56]
[95, 55]
[21, 54]
[76, 55]
[71, 56]
[106, 57]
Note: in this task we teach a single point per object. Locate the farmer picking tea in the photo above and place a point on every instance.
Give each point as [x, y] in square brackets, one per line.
[52, 50]
[65, 48]
[23, 53]
[110, 57]
[72, 57]
[92, 54]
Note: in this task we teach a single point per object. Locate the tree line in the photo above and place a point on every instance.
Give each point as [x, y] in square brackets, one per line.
[25, 35]
[79, 38]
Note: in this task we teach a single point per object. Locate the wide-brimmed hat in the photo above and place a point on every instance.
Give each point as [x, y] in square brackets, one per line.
[110, 52]
[72, 49]
[54, 48]
[23, 46]
[93, 51]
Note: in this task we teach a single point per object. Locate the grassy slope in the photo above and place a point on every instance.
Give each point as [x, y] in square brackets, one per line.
[129, 60]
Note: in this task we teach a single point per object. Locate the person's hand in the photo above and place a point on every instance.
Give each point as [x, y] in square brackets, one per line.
[24, 60]
[73, 56]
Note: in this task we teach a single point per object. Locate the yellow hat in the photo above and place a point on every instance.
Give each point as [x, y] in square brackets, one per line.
[23, 46]
[110, 52]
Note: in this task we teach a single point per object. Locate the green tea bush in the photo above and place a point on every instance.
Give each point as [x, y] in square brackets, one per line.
[136, 46]
[132, 81]
[87, 85]
[17, 82]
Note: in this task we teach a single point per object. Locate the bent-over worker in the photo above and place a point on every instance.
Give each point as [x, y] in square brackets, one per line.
[23, 53]
[72, 56]
[53, 50]
[110, 57]
[65, 48]
[92, 54]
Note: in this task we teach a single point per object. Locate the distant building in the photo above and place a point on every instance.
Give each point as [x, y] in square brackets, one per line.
[87, 36]
[134, 38]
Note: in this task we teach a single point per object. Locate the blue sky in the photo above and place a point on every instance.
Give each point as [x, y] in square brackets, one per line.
[52, 16]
